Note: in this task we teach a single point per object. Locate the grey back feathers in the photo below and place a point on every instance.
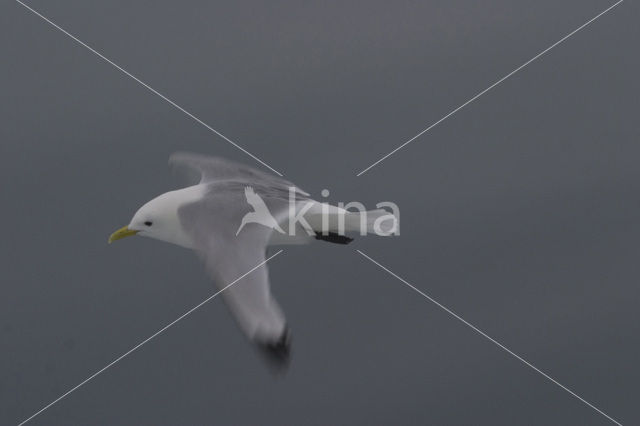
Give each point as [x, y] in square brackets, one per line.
[212, 221]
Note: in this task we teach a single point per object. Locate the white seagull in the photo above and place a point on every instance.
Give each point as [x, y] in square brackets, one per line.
[204, 217]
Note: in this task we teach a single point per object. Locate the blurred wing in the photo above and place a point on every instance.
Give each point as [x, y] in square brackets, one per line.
[211, 169]
[211, 223]
[255, 200]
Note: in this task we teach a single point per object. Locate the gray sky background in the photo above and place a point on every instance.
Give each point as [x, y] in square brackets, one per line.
[520, 212]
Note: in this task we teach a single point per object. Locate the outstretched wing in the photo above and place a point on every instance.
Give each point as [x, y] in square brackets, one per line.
[212, 169]
[255, 200]
[211, 223]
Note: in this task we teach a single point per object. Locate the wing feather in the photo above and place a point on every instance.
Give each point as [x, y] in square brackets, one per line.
[211, 169]
[211, 223]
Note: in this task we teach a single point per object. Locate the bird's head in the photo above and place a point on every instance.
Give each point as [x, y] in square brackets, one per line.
[156, 219]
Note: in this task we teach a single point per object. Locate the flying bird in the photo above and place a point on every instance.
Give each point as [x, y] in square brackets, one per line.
[210, 217]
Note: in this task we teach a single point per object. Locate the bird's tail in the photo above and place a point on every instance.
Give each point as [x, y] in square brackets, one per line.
[339, 221]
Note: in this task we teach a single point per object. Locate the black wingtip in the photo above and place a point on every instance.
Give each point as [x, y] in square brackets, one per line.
[333, 237]
[278, 353]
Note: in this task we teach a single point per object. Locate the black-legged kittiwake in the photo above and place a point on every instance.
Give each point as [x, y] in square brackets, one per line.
[229, 218]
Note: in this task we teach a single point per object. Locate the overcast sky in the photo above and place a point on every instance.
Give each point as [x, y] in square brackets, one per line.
[520, 212]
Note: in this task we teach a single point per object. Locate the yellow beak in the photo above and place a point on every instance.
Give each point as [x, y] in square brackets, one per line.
[121, 233]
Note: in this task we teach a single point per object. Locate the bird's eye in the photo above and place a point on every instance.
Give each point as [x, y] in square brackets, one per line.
[148, 223]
